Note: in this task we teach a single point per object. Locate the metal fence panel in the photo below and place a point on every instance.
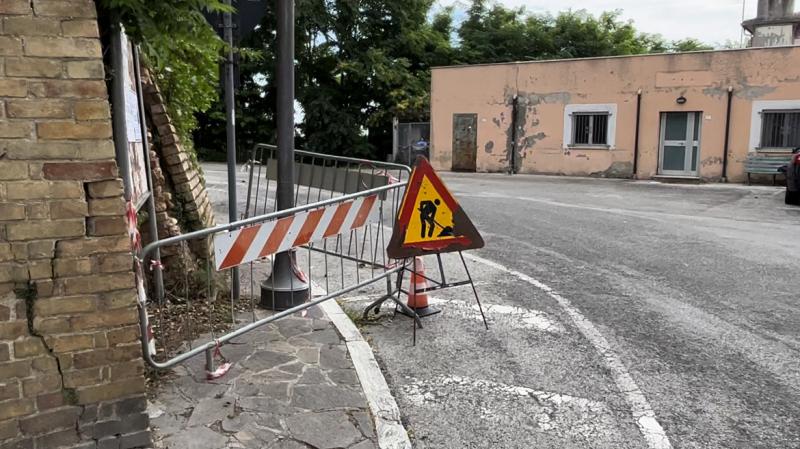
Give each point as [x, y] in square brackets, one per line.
[334, 264]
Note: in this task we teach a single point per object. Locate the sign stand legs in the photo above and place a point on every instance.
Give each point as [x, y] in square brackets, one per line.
[376, 305]
[474, 290]
[408, 311]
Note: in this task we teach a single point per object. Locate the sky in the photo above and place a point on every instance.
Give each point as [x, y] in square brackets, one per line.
[711, 21]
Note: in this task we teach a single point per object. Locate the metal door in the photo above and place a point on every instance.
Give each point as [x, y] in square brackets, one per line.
[680, 143]
[465, 142]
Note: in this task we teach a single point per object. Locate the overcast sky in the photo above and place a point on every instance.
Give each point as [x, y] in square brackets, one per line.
[711, 21]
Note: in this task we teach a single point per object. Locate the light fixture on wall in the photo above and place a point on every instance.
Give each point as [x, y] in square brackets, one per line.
[681, 100]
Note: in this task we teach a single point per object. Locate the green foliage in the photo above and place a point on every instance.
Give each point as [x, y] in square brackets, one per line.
[500, 34]
[362, 62]
[181, 49]
[689, 44]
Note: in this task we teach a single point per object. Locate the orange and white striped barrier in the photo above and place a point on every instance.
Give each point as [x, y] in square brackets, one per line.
[250, 243]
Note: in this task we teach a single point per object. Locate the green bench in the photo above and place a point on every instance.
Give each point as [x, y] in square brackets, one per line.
[765, 165]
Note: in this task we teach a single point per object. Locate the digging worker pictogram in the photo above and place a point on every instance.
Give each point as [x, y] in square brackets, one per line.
[427, 216]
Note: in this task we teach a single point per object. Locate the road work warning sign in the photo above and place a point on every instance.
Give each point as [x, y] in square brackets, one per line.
[430, 220]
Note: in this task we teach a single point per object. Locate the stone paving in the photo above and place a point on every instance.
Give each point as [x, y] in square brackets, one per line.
[291, 386]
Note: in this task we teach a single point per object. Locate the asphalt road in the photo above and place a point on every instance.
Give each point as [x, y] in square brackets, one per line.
[695, 287]
[609, 301]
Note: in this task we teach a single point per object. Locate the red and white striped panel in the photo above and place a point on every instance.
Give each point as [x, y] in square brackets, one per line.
[244, 245]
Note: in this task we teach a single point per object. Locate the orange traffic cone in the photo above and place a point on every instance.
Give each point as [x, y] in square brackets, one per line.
[418, 302]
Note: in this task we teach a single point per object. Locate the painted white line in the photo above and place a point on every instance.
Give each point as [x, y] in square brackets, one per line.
[548, 411]
[522, 318]
[388, 427]
[643, 414]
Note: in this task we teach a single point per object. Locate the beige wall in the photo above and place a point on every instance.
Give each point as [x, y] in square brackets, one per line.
[545, 89]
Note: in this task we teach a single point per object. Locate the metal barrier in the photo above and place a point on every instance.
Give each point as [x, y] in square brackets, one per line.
[336, 260]
[317, 177]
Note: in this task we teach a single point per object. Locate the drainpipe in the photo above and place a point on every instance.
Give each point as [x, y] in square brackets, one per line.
[638, 125]
[514, 108]
[727, 136]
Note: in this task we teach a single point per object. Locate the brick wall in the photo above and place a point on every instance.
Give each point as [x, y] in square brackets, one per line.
[182, 203]
[71, 372]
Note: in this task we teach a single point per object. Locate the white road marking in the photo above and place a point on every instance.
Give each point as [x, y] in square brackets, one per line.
[642, 412]
[522, 318]
[544, 411]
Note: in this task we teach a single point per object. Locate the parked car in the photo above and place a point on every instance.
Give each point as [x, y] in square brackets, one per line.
[793, 178]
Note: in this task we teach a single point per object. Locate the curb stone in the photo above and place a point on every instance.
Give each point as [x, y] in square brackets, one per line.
[388, 427]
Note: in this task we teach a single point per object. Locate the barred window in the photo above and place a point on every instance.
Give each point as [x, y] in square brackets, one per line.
[589, 129]
[780, 129]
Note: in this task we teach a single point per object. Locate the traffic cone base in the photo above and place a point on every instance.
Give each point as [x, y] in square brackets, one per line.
[418, 302]
[421, 312]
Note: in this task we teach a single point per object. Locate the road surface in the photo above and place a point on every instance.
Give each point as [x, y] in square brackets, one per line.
[622, 315]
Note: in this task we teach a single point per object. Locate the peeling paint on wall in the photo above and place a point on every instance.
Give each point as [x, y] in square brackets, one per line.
[743, 91]
[522, 139]
[548, 98]
[488, 147]
[711, 161]
[617, 169]
[529, 141]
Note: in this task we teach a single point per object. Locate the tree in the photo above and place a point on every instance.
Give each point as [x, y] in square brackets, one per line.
[179, 46]
[688, 44]
[362, 62]
[359, 63]
[500, 34]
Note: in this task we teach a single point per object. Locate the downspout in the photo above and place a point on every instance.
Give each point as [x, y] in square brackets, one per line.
[727, 136]
[514, 108]
[636, 138]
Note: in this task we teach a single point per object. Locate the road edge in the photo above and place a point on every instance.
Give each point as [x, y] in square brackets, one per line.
[389, 429]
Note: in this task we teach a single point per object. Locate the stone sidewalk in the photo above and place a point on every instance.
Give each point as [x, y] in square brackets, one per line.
[291, 386]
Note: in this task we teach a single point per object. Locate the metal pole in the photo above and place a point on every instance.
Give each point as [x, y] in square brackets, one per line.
[230, 132]
[118, 117]
[395, 138]
[285, 289]
[285, 79]
[158, 275]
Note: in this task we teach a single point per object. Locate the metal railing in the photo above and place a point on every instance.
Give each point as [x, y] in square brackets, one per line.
[317, 177]
[349, 261]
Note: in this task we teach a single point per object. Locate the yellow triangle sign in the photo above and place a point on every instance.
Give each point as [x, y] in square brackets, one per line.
[430, 220]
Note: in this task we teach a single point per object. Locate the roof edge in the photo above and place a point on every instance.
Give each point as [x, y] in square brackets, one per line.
[595, 58]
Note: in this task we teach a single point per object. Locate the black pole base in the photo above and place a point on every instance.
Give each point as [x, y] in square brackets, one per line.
[421, 312]
[281, 300]
[284, 289]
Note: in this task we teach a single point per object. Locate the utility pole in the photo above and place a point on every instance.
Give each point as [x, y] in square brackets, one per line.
[286, 287]
[230, 133]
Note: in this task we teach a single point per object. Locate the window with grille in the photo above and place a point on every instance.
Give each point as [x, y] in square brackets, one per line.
[589, 129]
[780, 129]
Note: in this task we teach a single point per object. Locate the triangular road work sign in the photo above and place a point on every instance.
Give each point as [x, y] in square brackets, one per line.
[430, 220]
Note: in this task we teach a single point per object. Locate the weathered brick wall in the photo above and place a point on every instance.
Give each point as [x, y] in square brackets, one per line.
[71, 372]
[182, 203]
